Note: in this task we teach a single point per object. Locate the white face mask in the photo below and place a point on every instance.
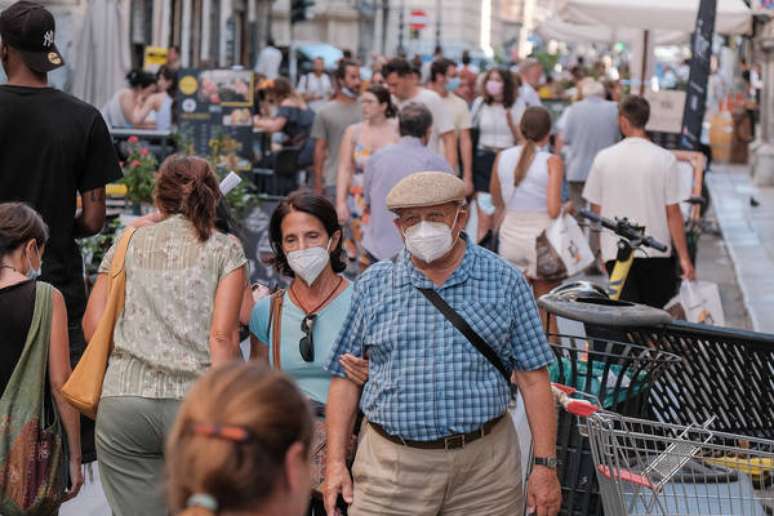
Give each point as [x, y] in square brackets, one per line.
[429, 241]
[310, 262]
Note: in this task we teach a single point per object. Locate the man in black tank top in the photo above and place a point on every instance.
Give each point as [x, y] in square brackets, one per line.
[52, 146]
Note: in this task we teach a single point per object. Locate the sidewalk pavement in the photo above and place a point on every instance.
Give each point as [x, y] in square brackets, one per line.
[748, 232]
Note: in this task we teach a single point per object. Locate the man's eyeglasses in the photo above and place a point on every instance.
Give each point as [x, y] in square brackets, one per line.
[306, 344]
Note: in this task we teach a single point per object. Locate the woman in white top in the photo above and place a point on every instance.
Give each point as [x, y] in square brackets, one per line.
[156, 111]
[496, 115]
[122, 110]
[527, 192]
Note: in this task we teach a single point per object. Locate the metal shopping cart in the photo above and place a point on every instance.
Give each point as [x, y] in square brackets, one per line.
[646, 467]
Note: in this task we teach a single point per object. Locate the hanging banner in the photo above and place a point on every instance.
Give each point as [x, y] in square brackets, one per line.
[696, 94]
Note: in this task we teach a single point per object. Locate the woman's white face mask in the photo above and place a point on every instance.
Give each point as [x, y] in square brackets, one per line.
[310, 262]
[430, 241]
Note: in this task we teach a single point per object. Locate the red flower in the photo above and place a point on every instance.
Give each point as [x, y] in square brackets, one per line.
[134, 164]
[144, 152]
[133, 139]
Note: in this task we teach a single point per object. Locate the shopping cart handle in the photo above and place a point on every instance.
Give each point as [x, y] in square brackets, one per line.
[580, 408]
[564, 388]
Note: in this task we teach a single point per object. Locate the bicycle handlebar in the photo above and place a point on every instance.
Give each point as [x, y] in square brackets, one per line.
[625, 229]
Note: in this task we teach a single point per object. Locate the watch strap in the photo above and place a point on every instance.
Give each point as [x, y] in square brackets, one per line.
[548, 462]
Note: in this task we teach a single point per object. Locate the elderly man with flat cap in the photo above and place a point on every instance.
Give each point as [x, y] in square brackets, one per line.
[445, 326]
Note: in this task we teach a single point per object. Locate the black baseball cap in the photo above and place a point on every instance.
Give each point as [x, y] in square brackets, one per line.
[29, 28]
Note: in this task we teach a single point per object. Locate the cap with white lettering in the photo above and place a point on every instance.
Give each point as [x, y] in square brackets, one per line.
[29, 28]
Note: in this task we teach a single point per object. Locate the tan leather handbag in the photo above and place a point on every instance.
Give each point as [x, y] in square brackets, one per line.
[84, 387]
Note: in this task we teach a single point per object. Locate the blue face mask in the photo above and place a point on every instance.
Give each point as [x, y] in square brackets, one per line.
[453, 83]
[33, 273]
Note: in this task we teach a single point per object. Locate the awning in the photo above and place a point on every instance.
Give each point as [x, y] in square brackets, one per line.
[733, 16]
[559, 30]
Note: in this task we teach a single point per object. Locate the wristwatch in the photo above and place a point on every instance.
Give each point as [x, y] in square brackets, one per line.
[548, 462]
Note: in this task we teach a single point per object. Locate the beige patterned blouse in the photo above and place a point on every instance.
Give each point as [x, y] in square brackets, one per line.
[161, 340]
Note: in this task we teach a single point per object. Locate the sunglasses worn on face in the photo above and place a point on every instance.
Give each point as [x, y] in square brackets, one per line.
[306, 344]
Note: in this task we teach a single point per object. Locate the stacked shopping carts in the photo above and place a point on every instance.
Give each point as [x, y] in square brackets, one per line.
[647, 467]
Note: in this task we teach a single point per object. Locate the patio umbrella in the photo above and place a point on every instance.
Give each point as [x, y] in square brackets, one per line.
[103, 56]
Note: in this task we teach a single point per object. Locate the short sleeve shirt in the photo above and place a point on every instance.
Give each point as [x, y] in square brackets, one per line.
[330, 124]
[311, 377]
[53, 146]
[161, 339]
[459, 111]
[635, 179]
[443, 121]
[426, 380]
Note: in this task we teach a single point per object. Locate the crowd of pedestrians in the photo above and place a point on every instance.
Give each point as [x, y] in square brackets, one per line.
[402, 377]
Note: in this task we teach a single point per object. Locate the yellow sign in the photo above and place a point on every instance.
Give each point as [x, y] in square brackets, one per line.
[188, 85]
[154, 58]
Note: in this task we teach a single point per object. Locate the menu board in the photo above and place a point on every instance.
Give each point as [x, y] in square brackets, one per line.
[216, 115]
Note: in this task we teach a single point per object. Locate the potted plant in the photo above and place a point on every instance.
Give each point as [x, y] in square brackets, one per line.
[139, 171]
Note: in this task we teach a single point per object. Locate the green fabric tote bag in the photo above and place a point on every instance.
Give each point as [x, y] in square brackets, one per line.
[32, 450]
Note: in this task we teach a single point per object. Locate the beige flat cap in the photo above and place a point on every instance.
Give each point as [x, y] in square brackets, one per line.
[426, 189]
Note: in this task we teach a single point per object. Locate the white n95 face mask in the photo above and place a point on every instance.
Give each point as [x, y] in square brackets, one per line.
[310, 262]
[429, 241]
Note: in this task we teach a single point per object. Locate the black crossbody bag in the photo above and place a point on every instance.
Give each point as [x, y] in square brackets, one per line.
[462, 325]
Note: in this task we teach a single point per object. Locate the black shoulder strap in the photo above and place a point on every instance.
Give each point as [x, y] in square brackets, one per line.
[464, 328]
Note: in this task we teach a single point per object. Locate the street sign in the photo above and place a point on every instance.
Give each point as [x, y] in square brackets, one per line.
[418, 19]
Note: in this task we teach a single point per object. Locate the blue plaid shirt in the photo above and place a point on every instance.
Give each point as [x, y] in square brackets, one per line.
[426, 380]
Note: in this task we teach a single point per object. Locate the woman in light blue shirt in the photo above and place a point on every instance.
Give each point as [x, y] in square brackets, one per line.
[306, 238]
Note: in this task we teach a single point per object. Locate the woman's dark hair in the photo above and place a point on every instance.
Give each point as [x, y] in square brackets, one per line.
[170, 75]
[18, 225]
[509, 87]
[186, 185]
[140, 79]
[383, 96]
[315, 205]
[282, 88]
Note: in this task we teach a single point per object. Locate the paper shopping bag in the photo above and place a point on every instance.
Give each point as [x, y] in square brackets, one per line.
[701, 302]
[567, 238]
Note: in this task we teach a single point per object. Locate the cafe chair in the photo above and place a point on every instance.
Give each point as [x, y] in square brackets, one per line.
[283, 178]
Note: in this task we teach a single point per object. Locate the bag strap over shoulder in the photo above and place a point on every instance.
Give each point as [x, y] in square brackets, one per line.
[462, 325]
[119, 258]
[275, 326]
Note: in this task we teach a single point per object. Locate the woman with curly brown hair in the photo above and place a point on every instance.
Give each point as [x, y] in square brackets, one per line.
[184, 284]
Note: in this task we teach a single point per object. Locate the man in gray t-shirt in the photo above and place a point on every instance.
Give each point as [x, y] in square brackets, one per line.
[330, 123]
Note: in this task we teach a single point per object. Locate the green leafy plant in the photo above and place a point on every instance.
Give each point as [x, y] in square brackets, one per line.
[139, 170]
[242, 200]
[93, 248]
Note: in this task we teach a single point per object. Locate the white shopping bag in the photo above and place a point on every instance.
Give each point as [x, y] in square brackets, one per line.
[701, 302]
[568, 240]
